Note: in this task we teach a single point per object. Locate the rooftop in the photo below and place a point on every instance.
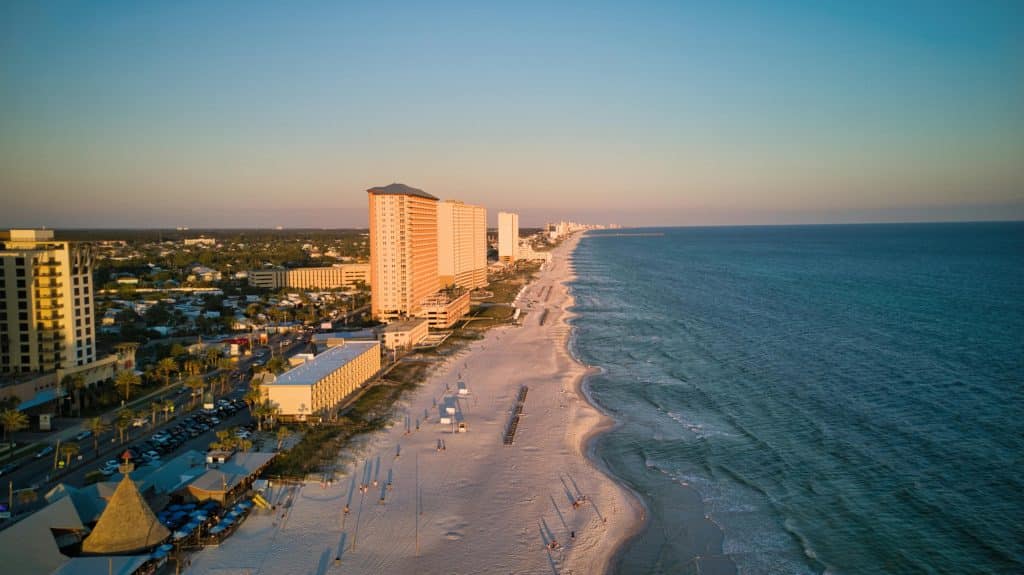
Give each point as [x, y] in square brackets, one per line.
[229, 474]
[400, 190]
[404, 325]
[324, 364]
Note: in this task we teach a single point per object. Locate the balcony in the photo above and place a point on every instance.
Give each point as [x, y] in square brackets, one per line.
[46, 274]
[48, 284]
[50, 306]
[49, 317]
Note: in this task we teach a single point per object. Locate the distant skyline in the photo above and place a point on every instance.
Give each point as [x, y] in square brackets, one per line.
[258, 114]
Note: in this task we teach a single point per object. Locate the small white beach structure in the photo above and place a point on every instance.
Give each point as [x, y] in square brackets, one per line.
[463, 390]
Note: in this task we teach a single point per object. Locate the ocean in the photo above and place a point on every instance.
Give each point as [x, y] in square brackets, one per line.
[812, 399]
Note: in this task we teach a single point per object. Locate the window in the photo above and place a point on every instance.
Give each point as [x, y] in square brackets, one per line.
[21, 284]
[19, 272]
[24, 348]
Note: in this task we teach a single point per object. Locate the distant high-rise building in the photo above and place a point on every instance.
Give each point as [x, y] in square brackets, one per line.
[46, 303]
[403, 250]
[461, 244]
[508, 236]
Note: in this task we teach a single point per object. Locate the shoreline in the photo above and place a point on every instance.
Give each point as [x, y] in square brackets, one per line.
[432, 499]
[606, 424]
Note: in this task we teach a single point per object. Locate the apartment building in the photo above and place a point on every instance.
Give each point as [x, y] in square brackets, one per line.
[403, 250]
[508, 236]
[46, 303]
[461, 245]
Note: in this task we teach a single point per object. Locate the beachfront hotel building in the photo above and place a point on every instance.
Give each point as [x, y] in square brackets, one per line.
[46, 303]
[461, 245]
[331, 277]
[403, 250]
[508, 236]
[313, 388]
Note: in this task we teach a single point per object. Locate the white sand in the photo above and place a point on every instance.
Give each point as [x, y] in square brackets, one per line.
[483, 507]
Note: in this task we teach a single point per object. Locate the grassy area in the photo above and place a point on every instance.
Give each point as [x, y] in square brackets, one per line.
[507, 284]
[498, 312]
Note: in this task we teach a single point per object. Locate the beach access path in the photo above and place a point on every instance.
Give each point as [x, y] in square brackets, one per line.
[424, 499]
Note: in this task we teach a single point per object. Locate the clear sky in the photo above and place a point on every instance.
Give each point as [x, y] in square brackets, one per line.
[239, 114]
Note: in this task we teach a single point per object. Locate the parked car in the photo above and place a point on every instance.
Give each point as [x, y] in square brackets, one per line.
[9, 468]
[83, 435]
[44, 452]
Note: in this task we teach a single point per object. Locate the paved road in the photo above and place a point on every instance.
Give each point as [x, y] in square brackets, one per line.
[38, 473]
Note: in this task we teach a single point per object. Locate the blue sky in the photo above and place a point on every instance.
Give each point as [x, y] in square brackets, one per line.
[132, 114]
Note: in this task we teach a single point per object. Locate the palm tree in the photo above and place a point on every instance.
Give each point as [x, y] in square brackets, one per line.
[225, 440]
[196, 384]
[277, 364]
[126, 379]
[253, 397]
[243, 444]
[282, 434]
[78, 387]
[67, 451]
[261, 410]
[210, 356]
[124, 423]
[167, 406]
[13, 422]
[97, 426]
[165, 367]
[154, 408]
[193, 367]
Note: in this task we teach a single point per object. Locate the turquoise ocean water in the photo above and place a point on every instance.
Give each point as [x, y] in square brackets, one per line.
[840, 399]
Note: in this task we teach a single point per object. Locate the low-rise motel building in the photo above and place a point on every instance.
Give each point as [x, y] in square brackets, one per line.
[403, 335]
[332, 277]
[310, 390]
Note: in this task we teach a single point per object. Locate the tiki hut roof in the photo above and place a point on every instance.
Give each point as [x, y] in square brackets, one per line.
[126, 526]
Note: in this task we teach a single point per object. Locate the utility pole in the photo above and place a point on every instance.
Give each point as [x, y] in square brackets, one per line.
[416, 510]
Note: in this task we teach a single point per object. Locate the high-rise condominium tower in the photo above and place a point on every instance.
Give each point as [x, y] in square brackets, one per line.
[508, 236]
[46, 303]
[461, 244]
[403, 250]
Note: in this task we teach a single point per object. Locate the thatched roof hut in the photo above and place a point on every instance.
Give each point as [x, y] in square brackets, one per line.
[126, 526]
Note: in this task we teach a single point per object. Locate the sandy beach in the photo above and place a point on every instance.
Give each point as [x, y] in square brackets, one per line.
[441, 502]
